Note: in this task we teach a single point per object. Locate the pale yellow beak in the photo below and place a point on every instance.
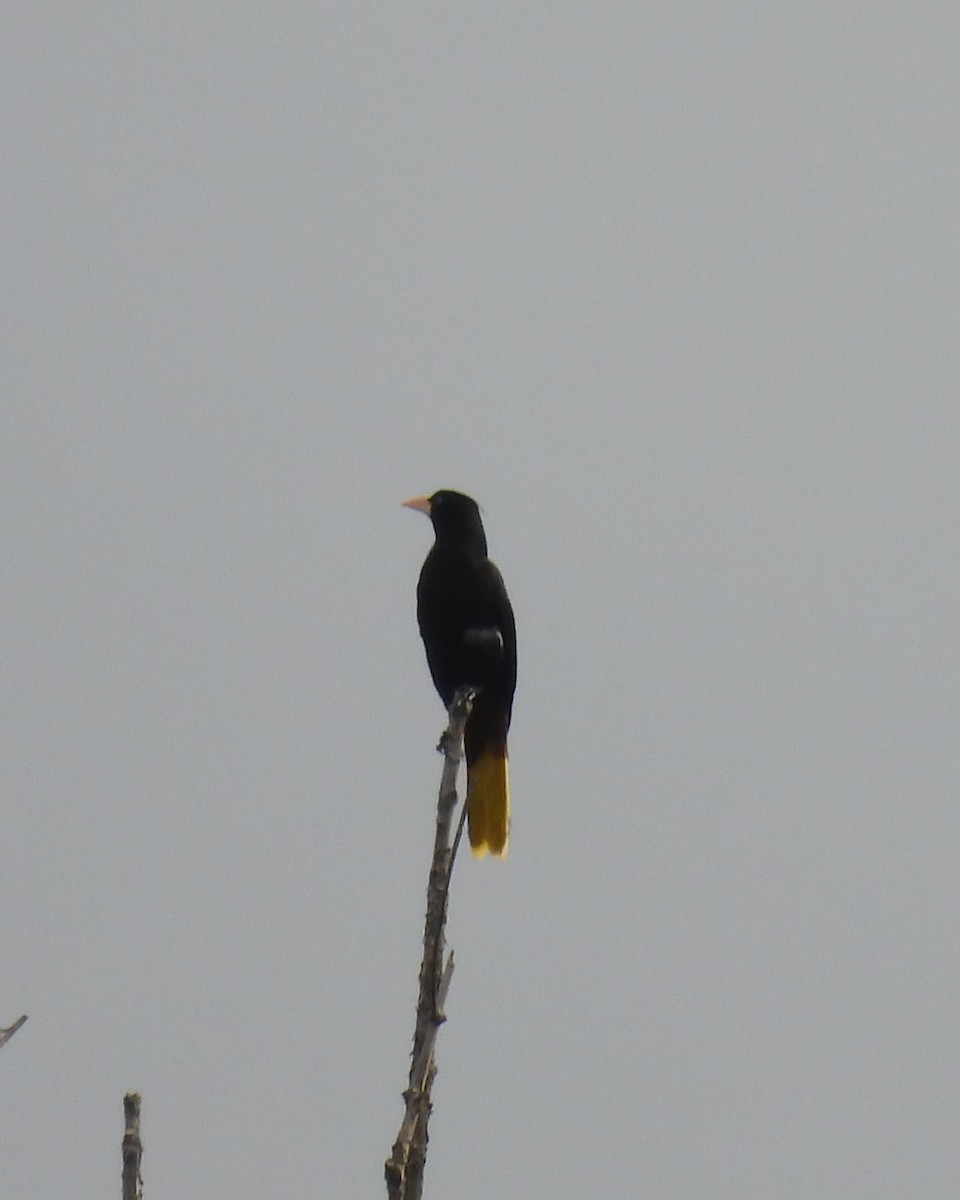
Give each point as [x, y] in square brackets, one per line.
[420, 503]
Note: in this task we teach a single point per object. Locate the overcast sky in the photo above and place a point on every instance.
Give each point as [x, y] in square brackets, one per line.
[674, 291]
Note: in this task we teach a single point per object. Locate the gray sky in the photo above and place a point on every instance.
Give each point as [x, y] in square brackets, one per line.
[673, 291]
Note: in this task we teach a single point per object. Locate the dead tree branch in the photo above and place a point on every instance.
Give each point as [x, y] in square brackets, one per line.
[404, 1168]
[7, 1034]
[132, 1148]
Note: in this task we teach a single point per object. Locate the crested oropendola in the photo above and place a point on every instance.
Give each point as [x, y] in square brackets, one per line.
[466, 622]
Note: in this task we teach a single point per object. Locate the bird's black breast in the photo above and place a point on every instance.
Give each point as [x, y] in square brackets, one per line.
[467, 625]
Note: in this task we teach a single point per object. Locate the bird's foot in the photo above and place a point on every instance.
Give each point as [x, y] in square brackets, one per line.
[449, 746]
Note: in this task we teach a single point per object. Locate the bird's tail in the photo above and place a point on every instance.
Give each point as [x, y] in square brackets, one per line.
[488, 802]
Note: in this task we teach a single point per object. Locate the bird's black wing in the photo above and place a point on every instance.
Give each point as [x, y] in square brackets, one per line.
[467, 626]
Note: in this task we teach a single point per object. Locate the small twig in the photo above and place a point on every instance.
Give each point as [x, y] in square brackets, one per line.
[7, 1034]
[132, 1148]
[404, 1168]
[456, 840]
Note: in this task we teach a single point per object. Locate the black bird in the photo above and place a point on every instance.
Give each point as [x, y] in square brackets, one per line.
[468, 631]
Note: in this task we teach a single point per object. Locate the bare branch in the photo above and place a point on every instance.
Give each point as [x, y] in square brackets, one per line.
[131, 1148]
[404, 1168]
[7, 1034]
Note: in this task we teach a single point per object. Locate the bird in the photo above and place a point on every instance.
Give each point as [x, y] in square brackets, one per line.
[469, 634]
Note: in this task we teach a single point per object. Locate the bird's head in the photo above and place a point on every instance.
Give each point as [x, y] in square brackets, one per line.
[456, 520]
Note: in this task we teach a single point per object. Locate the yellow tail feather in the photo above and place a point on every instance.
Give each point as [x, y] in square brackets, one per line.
[488, 805]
